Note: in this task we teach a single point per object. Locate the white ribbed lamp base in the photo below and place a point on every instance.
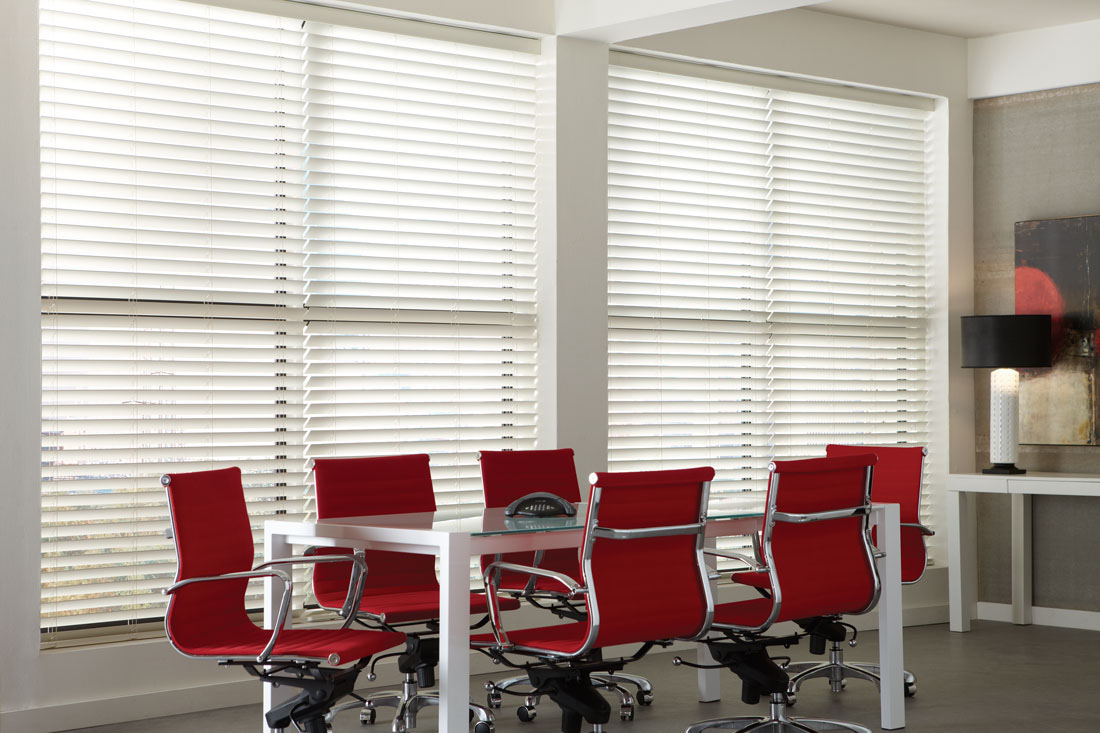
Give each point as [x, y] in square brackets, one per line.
[1004, 420]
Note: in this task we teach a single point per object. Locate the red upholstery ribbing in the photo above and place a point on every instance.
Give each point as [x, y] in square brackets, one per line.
[897, 480]
[508, 475]
[823, 568]
[401, 585]
[643, 589]
[213, 536]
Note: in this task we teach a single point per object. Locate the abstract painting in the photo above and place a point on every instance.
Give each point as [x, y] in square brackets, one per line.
[1058, 272]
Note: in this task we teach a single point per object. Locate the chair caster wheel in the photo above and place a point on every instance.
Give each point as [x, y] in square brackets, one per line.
[911, 689]
[483, 727]
[399, 726]
[791, 699]
[626, 712]
[493, 702]
[368, 716]
[525, 713]
[644, 698]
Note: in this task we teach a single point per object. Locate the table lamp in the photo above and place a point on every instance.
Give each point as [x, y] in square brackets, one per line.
[1005, 344]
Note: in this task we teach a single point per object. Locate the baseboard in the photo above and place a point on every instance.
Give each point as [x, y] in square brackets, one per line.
[1042, 616]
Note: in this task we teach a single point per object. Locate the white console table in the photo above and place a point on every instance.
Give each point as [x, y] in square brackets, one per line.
[961, 547]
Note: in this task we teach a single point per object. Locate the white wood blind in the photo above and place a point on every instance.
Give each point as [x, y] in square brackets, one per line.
[767, 274]
[266, 240]
[419, 250]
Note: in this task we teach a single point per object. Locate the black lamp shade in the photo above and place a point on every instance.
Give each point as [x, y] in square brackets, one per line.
[1017, 341]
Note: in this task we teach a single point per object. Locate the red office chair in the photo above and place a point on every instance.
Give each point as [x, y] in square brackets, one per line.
[508, 475]
[505, 477]
[898, 479]
[207, 617]
[643, 581]
[401, 589]
[817, 557]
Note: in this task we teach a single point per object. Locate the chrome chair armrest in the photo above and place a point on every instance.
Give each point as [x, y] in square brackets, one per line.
[356, 584]
[259, 572]
[923, 530]
[756, 551]
[751, 563]
[573, 587]
[492, 588]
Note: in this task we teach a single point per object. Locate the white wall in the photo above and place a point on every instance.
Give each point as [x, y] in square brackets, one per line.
[1028, 61]
[95, 685]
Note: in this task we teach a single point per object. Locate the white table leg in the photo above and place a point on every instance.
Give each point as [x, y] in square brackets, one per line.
[1021, 559]
[960, 559]
[710, 680]
[891, 652]
[454, 634]
[275, 546]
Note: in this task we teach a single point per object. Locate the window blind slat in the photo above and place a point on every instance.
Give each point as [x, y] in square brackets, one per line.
[767, 275]
[266, 241]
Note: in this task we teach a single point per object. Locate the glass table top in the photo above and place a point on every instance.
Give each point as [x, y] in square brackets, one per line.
[479, 521]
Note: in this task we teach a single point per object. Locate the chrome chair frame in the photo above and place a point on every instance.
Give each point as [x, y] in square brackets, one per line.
[574, 591]
[777, 720]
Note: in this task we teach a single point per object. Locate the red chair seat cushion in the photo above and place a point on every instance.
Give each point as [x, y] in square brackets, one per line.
[754, 578]
[569, 638]
[248, 640]
[410, 605]
[564, 638]
[753, 612]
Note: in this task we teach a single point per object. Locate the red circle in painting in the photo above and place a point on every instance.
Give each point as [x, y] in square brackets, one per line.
[1037, 294]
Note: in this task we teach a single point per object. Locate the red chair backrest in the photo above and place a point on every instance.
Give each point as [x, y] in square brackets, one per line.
[508, 475]
[825, 567]
[358, 487]
[646, 588]
[213, 535]
[898, 477]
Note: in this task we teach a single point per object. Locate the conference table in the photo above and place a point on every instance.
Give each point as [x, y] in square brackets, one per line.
[458, 534]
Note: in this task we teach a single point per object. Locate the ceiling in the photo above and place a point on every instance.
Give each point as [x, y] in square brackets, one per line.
[966, 18]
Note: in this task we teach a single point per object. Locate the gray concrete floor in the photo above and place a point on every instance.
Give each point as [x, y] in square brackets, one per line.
[998, 678]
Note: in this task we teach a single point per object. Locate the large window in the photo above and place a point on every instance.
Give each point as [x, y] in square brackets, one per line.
[768, 270]
[268, 239]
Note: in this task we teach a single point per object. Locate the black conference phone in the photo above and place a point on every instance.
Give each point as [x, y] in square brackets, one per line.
[540, 504]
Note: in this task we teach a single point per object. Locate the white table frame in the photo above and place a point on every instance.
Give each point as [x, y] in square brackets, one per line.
[962, 574]
[455, 550]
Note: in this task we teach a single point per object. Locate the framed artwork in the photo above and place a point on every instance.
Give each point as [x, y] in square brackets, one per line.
[1058, 272]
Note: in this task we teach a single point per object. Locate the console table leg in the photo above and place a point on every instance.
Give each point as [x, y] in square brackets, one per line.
[960, 559]
[1021, 559]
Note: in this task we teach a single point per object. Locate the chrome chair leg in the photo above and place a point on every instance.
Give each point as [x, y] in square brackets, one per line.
[776, 722]
[494, 697]
[644, 695]
[388, 698]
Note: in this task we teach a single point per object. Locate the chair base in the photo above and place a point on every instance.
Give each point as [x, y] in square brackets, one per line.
[576, 694]
[836, 670]
[409, 701]
[776, 722]
[611, 681]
